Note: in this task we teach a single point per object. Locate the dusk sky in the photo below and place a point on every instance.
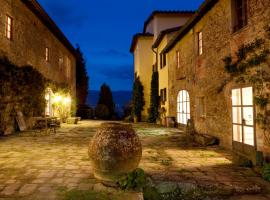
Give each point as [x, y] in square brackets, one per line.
[104, 30]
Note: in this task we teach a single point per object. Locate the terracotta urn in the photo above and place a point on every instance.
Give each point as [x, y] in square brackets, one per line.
[114, 151]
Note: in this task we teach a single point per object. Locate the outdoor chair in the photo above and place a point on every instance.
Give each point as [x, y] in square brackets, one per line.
[53, 124]
[39, 127]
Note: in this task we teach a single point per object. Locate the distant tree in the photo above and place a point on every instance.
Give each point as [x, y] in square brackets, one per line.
[82, 79]
[106, 98]
[127, 110]
[102, 112]
[153, 113]
[137, 99]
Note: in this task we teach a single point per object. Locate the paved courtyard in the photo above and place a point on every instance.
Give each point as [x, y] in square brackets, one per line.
[44, 166]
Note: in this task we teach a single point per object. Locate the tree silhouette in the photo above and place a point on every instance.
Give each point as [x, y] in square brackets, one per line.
[82, 79]
[106, 98]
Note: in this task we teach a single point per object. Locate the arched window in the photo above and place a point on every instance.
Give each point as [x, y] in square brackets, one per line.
[183, 107]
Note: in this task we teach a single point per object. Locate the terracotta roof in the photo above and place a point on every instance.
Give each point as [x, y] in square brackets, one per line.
[168, 12]
[135, 39]
[36, 8]
[163, 33]
[204, 8]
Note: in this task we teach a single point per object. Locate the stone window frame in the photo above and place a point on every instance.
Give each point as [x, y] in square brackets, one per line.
[239, 22]
[9, 27]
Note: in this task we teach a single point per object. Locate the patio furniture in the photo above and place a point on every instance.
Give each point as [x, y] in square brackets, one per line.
[40, 125]
[45, 124]
[52, 124]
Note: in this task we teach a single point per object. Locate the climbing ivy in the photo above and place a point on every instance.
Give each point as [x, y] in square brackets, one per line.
[22, 88]
[251, 65]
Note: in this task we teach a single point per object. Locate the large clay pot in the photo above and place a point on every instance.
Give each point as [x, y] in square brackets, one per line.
[115, 150]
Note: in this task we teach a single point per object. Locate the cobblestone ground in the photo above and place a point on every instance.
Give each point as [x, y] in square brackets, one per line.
[40, 167]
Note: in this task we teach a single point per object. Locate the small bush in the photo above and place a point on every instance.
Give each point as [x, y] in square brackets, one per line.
[129, 119]
[151, 193]
[134, 180]
[102, 112]
[266, 172]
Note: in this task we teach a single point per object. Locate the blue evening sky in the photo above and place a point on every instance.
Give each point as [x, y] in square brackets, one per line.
[104, 29]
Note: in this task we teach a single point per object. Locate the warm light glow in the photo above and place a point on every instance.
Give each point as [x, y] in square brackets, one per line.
[57, 98]
[67, 100]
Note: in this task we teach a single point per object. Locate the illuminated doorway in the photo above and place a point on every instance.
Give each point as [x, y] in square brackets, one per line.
[183, 107]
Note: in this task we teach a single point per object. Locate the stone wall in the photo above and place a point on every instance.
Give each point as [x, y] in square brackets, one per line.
[27, 47]
[30, 39]
[202, 76]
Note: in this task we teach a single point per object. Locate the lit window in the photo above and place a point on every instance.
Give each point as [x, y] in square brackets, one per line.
[243, 116]
[47, 54]
[178, 59]
[200, 43]
[240, 14]
[9, 27]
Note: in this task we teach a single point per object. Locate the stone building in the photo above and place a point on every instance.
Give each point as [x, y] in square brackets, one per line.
[218, 74]
[28, 36]
[200, 87]
[145, 59]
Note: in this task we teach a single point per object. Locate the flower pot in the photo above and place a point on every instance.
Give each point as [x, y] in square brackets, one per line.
[114, 151]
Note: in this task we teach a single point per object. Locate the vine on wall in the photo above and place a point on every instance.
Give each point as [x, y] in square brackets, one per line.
[251, 65]
[22, 89]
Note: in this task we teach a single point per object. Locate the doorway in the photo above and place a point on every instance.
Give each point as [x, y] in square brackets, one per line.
[243, 123]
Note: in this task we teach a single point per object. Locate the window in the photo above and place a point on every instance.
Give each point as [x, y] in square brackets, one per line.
[162, 60]
[9, 27]
[183, 107]
[240, 14]
[68, 68]
[201, 109]
[47, 54]
[163, 95]
[178, 59]
[243, 116]
[200, 43]
[61, 61]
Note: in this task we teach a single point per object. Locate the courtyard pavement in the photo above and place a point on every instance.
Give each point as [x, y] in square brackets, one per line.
[41, 167]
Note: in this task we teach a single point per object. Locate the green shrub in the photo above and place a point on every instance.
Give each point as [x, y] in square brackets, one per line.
[129, 119]
[134, 180]
[138, 99]
[266, 172]
[150, 193]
